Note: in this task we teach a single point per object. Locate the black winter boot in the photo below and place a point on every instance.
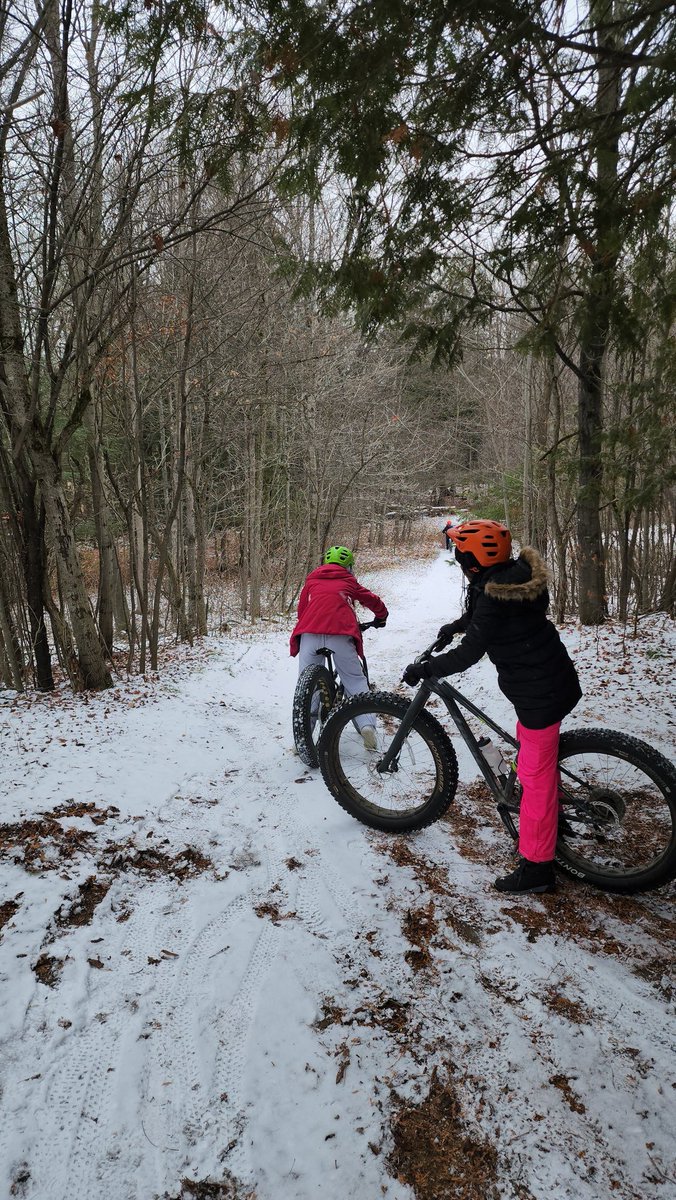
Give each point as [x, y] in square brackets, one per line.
[529, 877]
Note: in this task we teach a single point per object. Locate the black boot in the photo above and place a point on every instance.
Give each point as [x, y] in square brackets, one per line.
[529, 877]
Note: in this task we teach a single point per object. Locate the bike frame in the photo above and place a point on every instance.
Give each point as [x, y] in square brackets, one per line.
[501, 787]
[331, 666]
[455, 702]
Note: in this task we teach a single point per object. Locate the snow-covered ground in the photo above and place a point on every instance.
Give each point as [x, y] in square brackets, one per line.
[216, 983]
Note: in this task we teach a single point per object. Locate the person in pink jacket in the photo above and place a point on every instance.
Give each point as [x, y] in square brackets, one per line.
[326, 617]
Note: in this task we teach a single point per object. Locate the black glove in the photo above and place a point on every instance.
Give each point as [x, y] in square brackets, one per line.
[417, 671]
[447, 633]
[380, 622]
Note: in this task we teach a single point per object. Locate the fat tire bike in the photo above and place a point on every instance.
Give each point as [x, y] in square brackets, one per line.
[318, 691]
[617, 814]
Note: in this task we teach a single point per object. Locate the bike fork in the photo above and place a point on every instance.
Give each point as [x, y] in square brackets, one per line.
[390, 760]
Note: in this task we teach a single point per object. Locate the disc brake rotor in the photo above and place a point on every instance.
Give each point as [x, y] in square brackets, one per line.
[607, 806]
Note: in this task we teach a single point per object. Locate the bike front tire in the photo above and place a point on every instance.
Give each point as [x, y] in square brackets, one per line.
[416, 793]
[618, 820]
[313, 700]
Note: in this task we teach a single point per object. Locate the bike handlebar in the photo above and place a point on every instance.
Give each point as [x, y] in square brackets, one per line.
[430, 650]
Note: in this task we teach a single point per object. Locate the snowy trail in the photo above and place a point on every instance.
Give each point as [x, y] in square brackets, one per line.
[246, 1014]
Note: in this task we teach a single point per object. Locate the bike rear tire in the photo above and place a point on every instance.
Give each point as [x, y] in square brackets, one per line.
[306, 727]
[630, 788]
[417, 793]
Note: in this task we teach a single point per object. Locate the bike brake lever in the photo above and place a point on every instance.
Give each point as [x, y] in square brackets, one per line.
[440, 644]
[426, 654]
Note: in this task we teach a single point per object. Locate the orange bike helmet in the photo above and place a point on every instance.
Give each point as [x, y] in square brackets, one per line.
[484, 543]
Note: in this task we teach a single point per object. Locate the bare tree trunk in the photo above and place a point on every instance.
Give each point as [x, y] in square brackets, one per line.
[34, 557]
[182, 420]
[93, 672]
[256, 457]
[24, 424]
[138, 546]
[102, 521]
[13, 666]
[194, 551]
[595, 324]
[553, 406]
[27, 529]
[667, 601]
[528, 522]
[592, 605]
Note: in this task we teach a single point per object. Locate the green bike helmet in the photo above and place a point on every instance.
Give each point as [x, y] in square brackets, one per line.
[340, 555]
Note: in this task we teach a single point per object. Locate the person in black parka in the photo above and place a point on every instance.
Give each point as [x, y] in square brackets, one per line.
[506, 618]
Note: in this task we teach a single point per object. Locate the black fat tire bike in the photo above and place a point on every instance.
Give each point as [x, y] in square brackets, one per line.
[318, 691]
[617, 819]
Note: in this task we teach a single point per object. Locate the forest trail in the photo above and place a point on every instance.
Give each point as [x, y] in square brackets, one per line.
[215, 983]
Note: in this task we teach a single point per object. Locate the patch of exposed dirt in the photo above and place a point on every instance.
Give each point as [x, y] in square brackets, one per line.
[9, 909]
[400, 850]
[274, 913]
[20, 1179]
[597, 922]
[467, 930]
[228, 1188]
[48, 969]
[333, 1015]
[128, 857]
[42, 844]
[383, 1012]
[435, 879]
[659, 971]
[562, 1082]
[472, 811]
[436, 1154]
[564, 1006]
[98, 816]
[420, 927]
[82, 909]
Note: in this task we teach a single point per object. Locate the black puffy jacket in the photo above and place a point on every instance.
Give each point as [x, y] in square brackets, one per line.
[506, 619]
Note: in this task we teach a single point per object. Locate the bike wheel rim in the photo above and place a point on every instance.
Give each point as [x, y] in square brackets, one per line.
[629, 828]
[401, 793]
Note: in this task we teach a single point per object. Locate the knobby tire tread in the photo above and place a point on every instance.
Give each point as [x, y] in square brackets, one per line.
[313, 677]
[640, 754]
[425, 725]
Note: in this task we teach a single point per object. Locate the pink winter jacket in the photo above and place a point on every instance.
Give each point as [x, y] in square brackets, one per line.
[326, 605]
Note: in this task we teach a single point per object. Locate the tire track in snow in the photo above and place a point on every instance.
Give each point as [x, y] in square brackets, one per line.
[75, 1097]
[191, 1119]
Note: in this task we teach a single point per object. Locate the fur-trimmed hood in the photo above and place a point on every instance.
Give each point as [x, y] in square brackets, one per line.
[525, 578]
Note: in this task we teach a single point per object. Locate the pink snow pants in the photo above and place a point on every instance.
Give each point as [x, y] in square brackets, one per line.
[538, 772]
